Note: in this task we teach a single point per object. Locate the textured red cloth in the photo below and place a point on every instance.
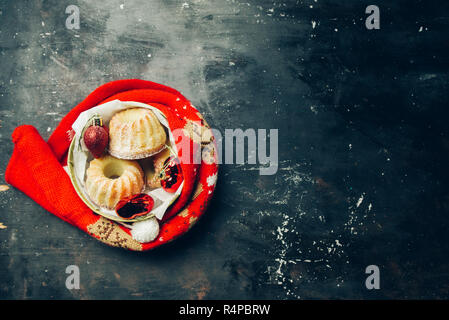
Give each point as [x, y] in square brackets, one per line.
[36, 166]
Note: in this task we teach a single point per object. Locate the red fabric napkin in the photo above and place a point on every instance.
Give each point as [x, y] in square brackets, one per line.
[36, 166]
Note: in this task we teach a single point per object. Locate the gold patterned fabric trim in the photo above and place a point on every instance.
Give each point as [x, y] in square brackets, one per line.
[198, 133]
[110, 233]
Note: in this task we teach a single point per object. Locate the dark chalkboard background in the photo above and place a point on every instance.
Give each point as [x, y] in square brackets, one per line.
[363, 145]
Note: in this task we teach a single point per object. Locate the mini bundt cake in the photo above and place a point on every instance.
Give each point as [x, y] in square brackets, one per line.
[153, 167]
[109, 179]
[135, 133]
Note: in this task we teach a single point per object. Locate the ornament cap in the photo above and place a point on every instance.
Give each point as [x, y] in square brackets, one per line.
[97, 121]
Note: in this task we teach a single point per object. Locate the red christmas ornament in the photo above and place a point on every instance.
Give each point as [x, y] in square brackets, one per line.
[96, 137]
[171, 175]
[134, 206]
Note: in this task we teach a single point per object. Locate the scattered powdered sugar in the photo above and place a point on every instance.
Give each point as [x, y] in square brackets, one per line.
[309, 246]
[299, 256]
[359, 202]
[359, 216]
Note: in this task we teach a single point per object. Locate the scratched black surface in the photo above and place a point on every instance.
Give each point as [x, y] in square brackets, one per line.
[363, 146]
